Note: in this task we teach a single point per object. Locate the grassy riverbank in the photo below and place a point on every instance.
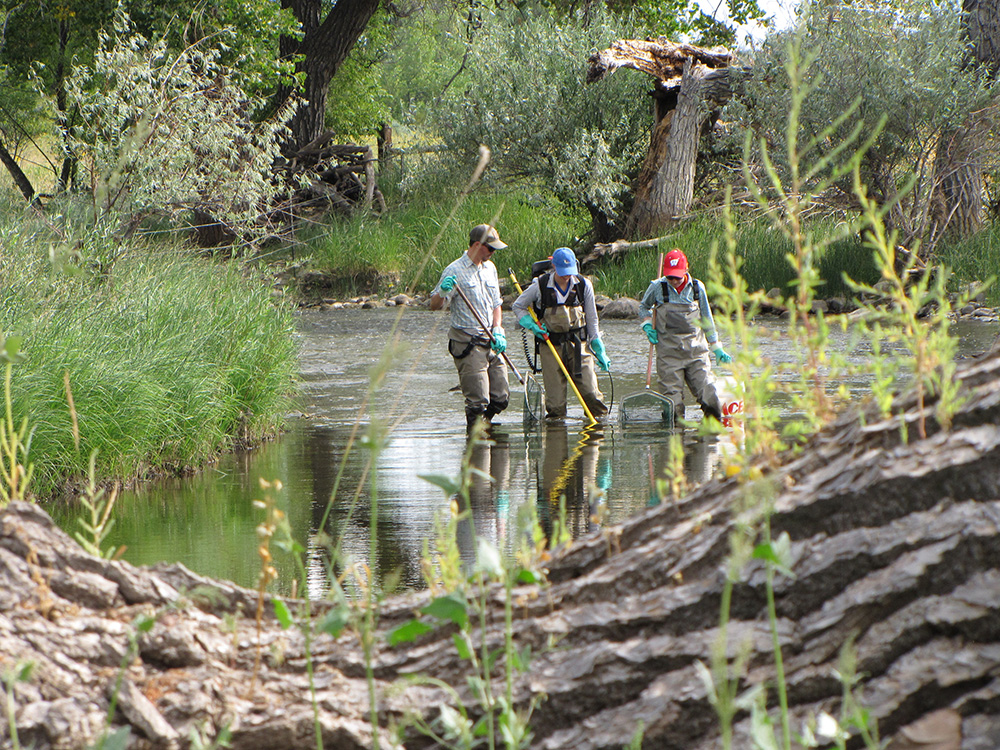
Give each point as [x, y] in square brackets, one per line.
[171, 358]
[406, 249]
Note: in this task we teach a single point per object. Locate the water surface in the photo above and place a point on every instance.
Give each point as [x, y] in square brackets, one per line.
[413, 424]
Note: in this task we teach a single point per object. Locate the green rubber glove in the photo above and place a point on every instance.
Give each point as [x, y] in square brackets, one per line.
[499, 343]
[597, 347]
[721, 356]
[538, 329]
[651, 333]
[448, 283]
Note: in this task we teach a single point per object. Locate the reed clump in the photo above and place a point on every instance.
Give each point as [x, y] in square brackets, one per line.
[170, 358]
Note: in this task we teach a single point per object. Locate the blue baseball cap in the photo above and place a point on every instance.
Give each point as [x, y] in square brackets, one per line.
[564, 262]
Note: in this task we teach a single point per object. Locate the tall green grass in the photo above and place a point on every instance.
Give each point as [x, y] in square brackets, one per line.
[763, 250]
[396, 244]
[976, 258]
[171, 358]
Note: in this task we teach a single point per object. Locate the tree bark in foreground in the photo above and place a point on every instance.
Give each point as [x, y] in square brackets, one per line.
[896, 546]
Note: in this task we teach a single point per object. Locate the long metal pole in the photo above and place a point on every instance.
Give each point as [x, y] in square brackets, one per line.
[487, 331]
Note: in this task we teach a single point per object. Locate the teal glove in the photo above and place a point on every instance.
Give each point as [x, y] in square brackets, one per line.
[597, 347]
[651, 334]
[721, 357]
[538, 329]
[448, 283]
[499, 343]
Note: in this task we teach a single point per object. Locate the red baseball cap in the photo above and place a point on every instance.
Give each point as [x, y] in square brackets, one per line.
[675, 263]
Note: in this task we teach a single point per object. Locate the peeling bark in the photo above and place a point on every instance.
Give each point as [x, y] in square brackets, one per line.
[690, 82]
[895, 545]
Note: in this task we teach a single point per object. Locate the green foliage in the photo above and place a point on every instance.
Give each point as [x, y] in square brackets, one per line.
[523, 94]
[171, 359]
[899, 66]
[762, 251]
[975, 258]
[100, 522]
[11, 676]
[428, 53]
[16, 469]
[169, 132]
[358, 101]
[397, 243]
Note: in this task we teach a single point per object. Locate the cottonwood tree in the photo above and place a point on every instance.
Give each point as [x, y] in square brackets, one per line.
[327, 36]
[691, 85]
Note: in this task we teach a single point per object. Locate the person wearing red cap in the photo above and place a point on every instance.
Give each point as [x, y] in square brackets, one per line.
[677, 318]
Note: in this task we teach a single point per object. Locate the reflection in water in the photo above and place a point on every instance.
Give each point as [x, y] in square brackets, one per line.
[604, 475]
[569, 491]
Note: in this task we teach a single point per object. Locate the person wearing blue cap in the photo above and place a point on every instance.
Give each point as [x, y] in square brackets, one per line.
[563, 300]
[482, 373]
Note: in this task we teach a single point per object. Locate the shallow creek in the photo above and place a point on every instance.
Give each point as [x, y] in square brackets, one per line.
[208, 521]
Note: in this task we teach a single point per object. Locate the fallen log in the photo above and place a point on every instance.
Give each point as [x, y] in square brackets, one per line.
[895, 547]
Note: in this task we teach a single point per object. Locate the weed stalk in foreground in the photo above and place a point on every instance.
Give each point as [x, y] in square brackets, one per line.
[15, 468]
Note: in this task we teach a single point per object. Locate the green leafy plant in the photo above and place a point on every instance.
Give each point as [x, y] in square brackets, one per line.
[465, 606]
[20, 672]
[170, 132]
[99, 523]
[916, 314]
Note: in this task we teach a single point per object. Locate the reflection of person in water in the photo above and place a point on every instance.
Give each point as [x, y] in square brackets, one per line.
[701, 459]
[488, 495]
[575, 473]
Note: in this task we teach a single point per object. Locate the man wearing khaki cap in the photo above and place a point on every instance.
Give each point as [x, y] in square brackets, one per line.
[482, 373]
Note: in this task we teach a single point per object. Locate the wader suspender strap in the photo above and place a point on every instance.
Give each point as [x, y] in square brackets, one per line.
[695, 290]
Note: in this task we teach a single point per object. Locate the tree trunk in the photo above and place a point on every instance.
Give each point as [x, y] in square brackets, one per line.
[324, 47]
[895, 548]
[17, 174]
[958, 204]
[687, 78]
[665, 187]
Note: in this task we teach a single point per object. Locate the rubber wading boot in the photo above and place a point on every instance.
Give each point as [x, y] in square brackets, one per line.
[493, 409]
[472, 416]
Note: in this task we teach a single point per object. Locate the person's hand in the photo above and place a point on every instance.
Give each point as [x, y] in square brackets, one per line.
[721, 356]
[597, 347]
[538, 329]
[651, 334]
[499, 343]
[448, 283]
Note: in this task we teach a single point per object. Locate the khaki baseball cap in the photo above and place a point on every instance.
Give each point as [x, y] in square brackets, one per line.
[487, 235]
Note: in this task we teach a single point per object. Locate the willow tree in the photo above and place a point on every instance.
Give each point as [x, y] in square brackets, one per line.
[899, 69]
